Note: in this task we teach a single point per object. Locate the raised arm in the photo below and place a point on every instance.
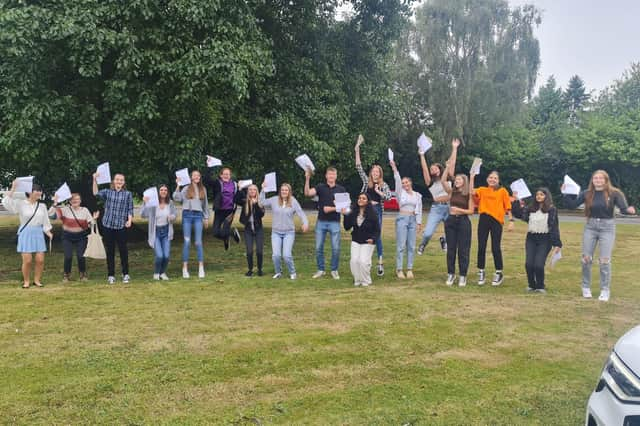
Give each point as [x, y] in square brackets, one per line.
[308, 192]
[396, 177]
[8, 201]
[425, 169]
[451, 163]
[95, 184]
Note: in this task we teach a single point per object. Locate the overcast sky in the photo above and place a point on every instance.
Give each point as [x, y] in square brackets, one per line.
[596, 39]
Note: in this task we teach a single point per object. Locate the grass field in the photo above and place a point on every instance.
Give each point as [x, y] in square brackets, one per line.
[236, 350]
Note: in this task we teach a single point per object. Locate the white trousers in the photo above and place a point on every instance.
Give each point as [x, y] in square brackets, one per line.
[361, 262]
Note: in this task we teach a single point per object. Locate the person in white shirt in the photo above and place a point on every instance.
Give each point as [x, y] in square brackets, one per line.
[34, 224]
[408, 222]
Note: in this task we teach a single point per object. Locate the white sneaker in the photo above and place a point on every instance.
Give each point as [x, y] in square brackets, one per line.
[451, 278]
[481, 277]
[164, 277]
[357, 284]
[604, 295]
[586, 293]
[276, 276]
[126, 279]
[156, 277]
[111, 280]
[335, 275]
[366, 284]
[318, 274]
[462, 281]
[293, 276]
[201, 271]
[185, 273]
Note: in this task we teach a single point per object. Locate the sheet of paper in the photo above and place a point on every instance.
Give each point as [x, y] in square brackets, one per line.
[104, 174]
[390, 154]
[63, 193]
[570, 186]
[213, 161]
[24, 184]
[152, 194]
[305, 163]
[424, 143]
[554, 258]
[475, 167]
[342, 200]
[244, 183]
[521, 188]
[183, 175]
[270, 183]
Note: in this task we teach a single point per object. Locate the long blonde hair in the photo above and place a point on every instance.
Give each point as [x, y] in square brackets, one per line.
[371, 183]
[191, 192]
[609, 189]
[281, 200]
[247, 203]
[465, 186]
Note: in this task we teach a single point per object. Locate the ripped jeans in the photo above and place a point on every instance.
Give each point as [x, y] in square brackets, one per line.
[603, 232]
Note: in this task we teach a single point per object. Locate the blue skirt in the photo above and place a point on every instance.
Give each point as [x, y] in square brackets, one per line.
[31, 240]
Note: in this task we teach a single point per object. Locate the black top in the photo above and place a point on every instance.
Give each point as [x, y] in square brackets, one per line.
[326, 198]
[368, 230]
[257, 212]
[601, 208]
[552, 220]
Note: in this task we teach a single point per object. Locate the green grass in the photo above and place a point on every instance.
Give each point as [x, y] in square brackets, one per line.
[233, 350]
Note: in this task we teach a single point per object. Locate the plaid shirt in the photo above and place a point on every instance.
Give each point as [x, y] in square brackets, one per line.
[118, 206]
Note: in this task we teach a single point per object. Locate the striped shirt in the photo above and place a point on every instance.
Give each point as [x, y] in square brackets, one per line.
[118, 206]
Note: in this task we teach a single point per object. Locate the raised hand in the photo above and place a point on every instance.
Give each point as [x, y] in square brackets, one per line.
[455, 143]
[359, 141]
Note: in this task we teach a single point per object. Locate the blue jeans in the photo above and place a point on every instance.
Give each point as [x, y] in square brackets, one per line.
[162, 249]
[282, 247]
[322, 228]
[378, 209]
[192, 219]
[406, 240]
[603, 232]
[438, 213]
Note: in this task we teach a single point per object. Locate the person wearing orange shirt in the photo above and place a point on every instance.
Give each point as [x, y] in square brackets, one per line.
[493, 203]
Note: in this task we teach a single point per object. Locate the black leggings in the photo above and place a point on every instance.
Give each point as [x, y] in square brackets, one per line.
[250, 237]
[74, 241]
[488, 225]
[111, 237]
[222, 227]
[457, 229]
[537, 248]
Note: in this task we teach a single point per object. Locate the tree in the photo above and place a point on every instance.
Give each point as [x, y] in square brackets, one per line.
[575, 98]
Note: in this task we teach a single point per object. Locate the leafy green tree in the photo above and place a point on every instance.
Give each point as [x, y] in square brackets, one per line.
[576, 98]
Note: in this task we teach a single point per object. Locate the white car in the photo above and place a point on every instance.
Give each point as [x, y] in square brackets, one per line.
[616, 399]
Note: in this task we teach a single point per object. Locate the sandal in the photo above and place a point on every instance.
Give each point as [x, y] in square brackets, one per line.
[25, 285]
[38, 284]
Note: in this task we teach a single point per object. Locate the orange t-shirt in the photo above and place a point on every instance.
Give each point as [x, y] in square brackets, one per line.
[494, 202]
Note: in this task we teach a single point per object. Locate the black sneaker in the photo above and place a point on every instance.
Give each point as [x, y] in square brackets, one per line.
[260, 273]
[249, 274]
[380, 269]
[421, 249]
[226, 244]
[443, 244]
[498, 278]
[236, 235]
[481, 277]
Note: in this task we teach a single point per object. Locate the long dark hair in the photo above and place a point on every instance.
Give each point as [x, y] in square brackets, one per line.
[547, 204]
[166, 199]
[369, 211]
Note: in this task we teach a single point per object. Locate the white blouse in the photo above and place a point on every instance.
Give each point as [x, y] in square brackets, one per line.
[539, 222]
[24, 209]
[408, 201]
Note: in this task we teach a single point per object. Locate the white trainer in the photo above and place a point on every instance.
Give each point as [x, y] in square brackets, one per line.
[451, 278]
[335, 275]
[156, 277]
[318, 274]
[164, 277]
[586, 293]
[185, 273]
[462, 281]
[276, 276]
[201, 271]
[293, 276]
[604, 295]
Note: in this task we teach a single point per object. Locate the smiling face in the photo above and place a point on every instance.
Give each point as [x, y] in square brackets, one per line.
[599, 181]
[195, 177]
[284, 192]
[331, 176]
[493, 180]
[406, 184]
[118, 182]
[35, 194]
[540, 197]
[376, 173]
[164, 193]
[225, 174]
[458, 182]
[252, 191]
[434, 170]
[75, 201]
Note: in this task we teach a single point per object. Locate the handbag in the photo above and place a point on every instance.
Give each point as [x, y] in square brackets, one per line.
[95, 248]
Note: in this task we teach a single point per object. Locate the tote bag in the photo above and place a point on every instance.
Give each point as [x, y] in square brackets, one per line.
[95, 248]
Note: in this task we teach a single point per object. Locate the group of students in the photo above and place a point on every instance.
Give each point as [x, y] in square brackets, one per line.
[455, 199]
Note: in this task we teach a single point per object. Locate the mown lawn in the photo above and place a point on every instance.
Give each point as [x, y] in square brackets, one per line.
[236, 350]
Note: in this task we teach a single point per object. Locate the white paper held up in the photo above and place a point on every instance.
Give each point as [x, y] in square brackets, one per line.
[104, 174]
[270, 183]
[342, 200]
[183, 175]
[424, 143]
[24, 184]
[555, 257]
[213, 161]
[390, 154]
[244, 183]
[475, 166]
[521, 188]
[152, 194]
[63, 193]
[570, 186]
[305, 163]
